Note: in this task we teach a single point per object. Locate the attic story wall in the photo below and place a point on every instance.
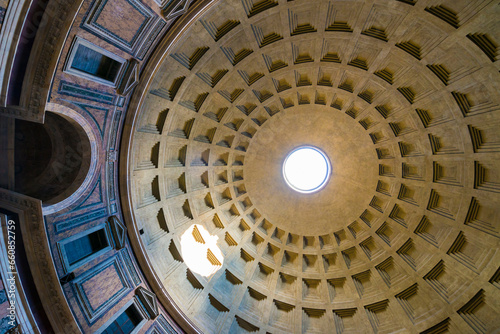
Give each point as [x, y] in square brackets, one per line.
[98, 288]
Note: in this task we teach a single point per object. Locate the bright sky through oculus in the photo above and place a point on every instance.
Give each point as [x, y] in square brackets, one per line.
[306, 169]
[200, 251]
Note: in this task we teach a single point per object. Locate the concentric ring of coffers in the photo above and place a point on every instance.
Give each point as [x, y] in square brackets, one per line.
[429, 114]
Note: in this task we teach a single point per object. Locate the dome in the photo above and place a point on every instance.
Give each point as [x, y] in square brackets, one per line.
[149, 166]
[382, 90]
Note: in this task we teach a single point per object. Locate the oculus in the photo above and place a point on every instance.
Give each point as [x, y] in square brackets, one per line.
[306, 169]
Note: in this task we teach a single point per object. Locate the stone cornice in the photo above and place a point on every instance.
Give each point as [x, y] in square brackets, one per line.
[9, 38]
[38, 254]
[41, 66]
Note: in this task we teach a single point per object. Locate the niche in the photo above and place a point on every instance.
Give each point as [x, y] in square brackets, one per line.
[51, 159]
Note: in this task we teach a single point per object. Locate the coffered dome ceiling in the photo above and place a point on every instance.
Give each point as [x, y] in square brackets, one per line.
[403, 98]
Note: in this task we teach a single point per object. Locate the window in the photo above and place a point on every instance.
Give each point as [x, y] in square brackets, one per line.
[83, 247]
[92, 62]
[125, 323]
[128, 320]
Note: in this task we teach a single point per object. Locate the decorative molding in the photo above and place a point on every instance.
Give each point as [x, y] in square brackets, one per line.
[93, 314]
[50, 38]
[119, 232]
[130, 78]
[148, 301]
[39, 256]
[143, 38]
[165, 325]
[174, 8]
[80, 219]
[96, 189]
[74, 90]
[12, 23]
[100, 125]
[114, 130]
[127, 260]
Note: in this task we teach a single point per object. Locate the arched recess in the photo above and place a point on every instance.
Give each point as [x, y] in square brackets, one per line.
[62, 155]
[130, 124]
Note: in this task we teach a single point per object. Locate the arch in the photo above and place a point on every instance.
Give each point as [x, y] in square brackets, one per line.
[89, 155]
